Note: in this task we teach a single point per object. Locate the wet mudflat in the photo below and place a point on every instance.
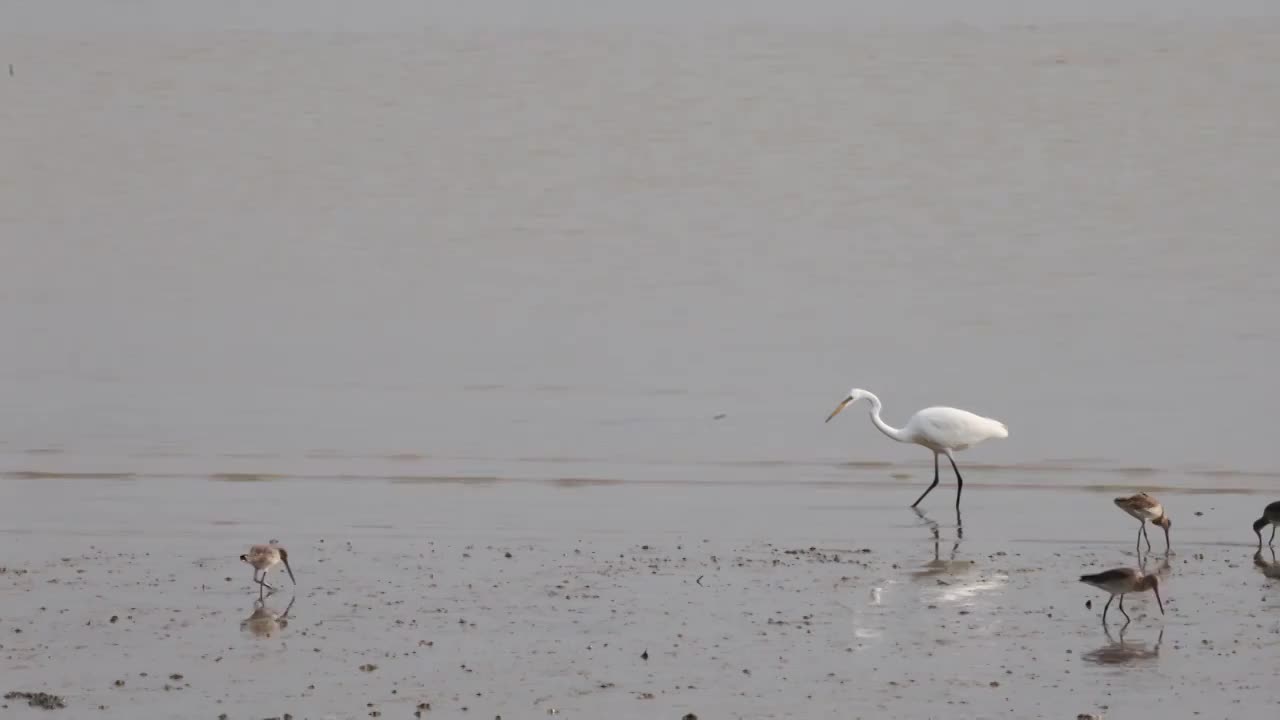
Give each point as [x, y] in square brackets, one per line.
[522, 599]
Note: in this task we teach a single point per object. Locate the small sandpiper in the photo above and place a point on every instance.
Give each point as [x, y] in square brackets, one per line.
[1146, 508]
[265, 557]
[1271, 516]
[1122, 581]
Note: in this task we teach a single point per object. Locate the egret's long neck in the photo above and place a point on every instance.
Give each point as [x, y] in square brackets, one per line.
[883, 426]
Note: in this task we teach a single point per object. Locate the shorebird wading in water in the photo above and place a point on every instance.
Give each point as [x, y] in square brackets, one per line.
[265, 557]
[1122, 581]
[941, 429]
[1146, 508]
[1271, 515]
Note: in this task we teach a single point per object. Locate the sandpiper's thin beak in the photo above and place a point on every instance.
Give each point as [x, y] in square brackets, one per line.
[844, 404]
[1156, 589]
[289, 570]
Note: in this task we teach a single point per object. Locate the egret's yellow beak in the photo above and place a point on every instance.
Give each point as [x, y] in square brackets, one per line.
[844, 404]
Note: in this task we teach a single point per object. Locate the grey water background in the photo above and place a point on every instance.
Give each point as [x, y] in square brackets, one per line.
[561, 238]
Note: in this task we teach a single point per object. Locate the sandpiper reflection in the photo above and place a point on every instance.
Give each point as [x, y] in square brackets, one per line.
[1270, 568]
[1122, 651]
[265, 622]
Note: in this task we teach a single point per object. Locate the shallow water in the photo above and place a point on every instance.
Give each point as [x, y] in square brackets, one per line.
[486, 250]
[762, 602]
[574, 282]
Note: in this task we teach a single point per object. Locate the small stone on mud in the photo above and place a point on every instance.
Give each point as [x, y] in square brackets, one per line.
[644, 655]
[41, 700]
[689, 716]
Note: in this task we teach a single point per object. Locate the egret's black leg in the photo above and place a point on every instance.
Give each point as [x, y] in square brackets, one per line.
[1122, 612]
[935, 482]
[1105, 608]
[959, 480]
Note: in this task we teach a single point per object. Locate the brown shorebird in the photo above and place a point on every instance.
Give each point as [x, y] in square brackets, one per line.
[1146, 509]
[1271, 515]
[265, 557]
[1122, 581]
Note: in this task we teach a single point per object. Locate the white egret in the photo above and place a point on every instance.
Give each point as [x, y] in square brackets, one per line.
[941, 429]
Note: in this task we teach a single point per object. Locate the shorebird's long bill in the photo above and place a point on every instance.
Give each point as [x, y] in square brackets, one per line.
[1156, 589]
[843, 404]
[289, 570]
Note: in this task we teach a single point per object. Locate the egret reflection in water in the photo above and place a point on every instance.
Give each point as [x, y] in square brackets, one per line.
[937, 566]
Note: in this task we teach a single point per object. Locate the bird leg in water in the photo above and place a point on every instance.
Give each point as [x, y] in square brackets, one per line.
[959, 480]
[1270, 543]
[935, 484]
[1105, 608]
[262, 582]
[1122, 612]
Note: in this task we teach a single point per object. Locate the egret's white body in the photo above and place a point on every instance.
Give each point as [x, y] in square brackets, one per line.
[941, 429]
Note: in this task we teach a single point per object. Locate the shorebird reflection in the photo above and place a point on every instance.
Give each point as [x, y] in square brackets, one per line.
[1271, 568]
[1121, 652]
[265, 622]
[1163, 570]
